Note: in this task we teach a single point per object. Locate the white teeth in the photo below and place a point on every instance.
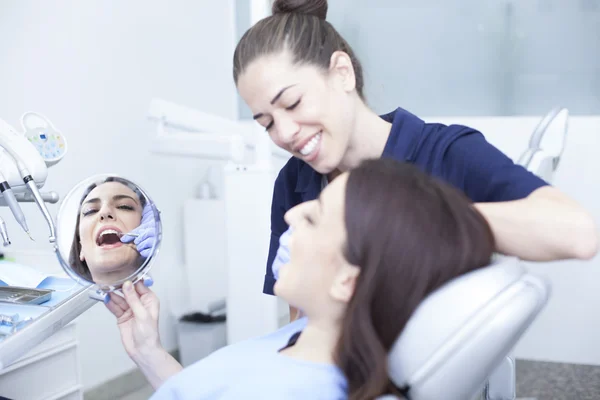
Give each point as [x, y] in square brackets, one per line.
[311, 145]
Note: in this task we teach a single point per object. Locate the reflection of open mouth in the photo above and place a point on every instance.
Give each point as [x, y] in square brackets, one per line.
[109, 238]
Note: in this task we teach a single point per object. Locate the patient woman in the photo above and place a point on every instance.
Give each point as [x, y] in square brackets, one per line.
[362, 258]
[107, 210]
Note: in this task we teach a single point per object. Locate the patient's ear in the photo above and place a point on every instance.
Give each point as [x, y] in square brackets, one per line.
[344, 283]
[81, 256]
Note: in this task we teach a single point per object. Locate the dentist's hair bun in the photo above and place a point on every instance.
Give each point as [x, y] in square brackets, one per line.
[318, 8]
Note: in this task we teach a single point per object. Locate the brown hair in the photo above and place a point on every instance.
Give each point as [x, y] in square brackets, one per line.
[298, 26]
[80, 267]
[409, 234]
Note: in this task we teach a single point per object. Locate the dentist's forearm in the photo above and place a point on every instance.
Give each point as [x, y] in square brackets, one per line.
[157, 366]
[545, 226]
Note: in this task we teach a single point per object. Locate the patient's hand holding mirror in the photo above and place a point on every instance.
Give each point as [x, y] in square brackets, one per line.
[108, 232]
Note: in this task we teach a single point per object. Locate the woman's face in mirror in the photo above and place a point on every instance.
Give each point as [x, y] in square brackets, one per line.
[108, 211]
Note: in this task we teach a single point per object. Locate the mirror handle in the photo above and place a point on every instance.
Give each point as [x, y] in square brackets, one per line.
[97, 294]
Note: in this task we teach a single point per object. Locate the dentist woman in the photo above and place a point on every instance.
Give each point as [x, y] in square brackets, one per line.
[304, 84]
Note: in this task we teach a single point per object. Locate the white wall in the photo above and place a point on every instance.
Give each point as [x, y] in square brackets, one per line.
[471, 57]
[92, 67]
[568, 330]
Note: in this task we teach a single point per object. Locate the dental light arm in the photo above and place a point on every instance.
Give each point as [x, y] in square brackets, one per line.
[208, 136]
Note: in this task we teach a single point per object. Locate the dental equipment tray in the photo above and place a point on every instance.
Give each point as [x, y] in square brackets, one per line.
[22, 295]
[69, 300]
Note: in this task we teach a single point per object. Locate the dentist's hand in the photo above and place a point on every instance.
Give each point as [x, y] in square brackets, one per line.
[283, 253]
[146, 233]
[137, 319]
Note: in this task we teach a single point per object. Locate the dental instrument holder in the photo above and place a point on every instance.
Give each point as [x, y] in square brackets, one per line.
[24, 169]
[99, 291]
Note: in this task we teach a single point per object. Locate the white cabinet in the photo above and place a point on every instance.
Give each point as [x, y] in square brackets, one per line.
[50, 371]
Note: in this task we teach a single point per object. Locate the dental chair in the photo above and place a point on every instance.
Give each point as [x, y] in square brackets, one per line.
[546, 144]
[456, 344]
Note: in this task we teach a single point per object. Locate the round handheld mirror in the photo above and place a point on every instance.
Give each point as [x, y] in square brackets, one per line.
[108, 231]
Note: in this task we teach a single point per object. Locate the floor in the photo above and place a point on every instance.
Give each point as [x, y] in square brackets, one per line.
[557, 381]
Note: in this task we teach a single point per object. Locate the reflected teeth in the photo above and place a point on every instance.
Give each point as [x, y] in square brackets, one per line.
[311, 145]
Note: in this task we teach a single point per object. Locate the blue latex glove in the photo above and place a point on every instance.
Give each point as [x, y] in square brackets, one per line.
[283, 253]
[283, 257]
[146, 233]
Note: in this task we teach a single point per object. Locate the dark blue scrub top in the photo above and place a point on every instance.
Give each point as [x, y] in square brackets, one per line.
[457, 154]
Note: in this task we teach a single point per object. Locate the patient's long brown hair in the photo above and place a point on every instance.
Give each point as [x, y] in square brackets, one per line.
[409, 233]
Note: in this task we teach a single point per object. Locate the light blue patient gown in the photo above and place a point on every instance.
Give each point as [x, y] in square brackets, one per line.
[253, 369]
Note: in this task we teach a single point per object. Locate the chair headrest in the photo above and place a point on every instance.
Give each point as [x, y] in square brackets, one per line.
[462, 331]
